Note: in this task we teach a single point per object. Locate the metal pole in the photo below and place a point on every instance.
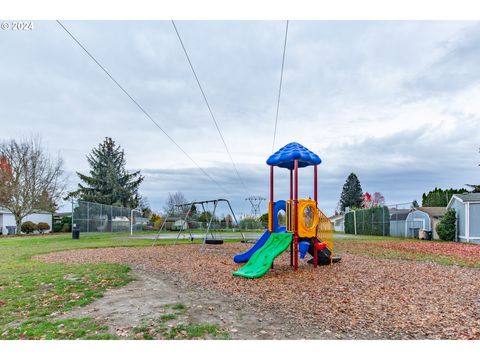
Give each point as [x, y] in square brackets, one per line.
[355, 220]
[88, 217]
[71, 224]
[270, 205]
[210, 222]
[291, 198]
[204, 211]
[160, 230]
[315, 241]
[235, 218]
[181, 226]
[295, 236]
[131, 220]
[208, 229]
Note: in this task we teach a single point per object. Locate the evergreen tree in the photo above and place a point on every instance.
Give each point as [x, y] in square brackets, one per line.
[446, 228]
[352, 193]
[440, 197]
[108, 181]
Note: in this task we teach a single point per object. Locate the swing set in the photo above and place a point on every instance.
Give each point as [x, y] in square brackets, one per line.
[210, 237]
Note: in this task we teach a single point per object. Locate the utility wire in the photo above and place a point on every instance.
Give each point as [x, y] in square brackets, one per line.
[141, 107]
[280, 87]
[208, 105]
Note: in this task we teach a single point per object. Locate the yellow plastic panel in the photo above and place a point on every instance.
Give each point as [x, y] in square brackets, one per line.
[325, 230]
[270, 214]
[290, 215]
[307, 218]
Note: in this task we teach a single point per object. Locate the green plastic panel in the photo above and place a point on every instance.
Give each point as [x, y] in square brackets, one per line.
[262, 260]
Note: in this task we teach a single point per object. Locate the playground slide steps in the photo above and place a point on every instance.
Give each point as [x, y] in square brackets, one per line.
[323, 256]
[263, 258]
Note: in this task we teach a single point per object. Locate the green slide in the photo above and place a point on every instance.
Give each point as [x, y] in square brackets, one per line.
[263, 258]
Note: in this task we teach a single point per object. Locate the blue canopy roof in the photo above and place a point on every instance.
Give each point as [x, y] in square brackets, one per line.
[286, 156]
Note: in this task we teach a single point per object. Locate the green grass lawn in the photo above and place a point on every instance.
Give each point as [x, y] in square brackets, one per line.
[32, 292]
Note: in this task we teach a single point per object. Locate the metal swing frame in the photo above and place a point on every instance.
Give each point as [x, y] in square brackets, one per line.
[209, 232]
[209, 227]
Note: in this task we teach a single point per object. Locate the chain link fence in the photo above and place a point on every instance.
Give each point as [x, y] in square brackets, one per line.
[398, 220]
[94, 217]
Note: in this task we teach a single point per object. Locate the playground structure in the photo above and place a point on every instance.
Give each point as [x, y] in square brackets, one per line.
[307, 228]
[210, 237]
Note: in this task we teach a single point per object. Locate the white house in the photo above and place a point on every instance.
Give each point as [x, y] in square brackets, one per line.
[338, 222]
[467, 207]
[7, 219]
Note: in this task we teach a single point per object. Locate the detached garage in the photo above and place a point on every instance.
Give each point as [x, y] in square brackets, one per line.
[467, 208]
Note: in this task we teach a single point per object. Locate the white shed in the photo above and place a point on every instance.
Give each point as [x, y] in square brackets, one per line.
[338, 222]
[417, 220]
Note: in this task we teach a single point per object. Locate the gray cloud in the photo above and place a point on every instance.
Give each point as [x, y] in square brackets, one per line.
[369, 97]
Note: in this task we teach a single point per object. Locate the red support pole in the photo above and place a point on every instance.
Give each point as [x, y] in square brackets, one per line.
[295, 236]
[270, 205]
[291, 198]
[315, 196]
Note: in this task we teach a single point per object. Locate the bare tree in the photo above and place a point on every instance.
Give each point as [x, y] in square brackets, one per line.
[173, 200]
[29, 179]
[378, 199]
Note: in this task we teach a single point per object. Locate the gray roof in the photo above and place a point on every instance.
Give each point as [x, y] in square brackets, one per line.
[468, 197]
[399, 214]
[434, 211]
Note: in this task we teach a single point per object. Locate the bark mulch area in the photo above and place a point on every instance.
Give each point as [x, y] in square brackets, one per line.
[360, 297]
[458, 253]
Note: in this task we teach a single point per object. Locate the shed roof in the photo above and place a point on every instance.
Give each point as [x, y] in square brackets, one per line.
[434, 211]
[399, 214]
[286, 156]
[336, 217]
[468, 197]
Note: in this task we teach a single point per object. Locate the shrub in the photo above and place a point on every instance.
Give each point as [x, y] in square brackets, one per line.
[57, 227]
[28, 227]
[446, 228]
[158, 223]
[64, 225]
[42, 227]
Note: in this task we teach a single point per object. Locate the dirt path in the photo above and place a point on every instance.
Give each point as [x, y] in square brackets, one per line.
[143, 300]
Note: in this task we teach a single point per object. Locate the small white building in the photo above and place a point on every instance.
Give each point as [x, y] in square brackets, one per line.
[7, 219]
[467, 208]
[338, 222]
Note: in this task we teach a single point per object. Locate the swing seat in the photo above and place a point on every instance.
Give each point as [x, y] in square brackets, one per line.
[214, 242]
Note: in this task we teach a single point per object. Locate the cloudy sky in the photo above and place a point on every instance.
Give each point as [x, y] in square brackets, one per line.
[394, 102]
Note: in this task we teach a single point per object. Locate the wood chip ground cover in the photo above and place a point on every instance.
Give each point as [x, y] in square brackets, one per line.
[443, 252]
[360, 297]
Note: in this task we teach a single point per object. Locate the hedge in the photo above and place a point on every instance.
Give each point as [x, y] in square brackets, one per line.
[373, 221]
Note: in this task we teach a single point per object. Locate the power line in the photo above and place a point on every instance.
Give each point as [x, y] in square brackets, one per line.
[280, 87]
[208, 105]
[140, 107]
